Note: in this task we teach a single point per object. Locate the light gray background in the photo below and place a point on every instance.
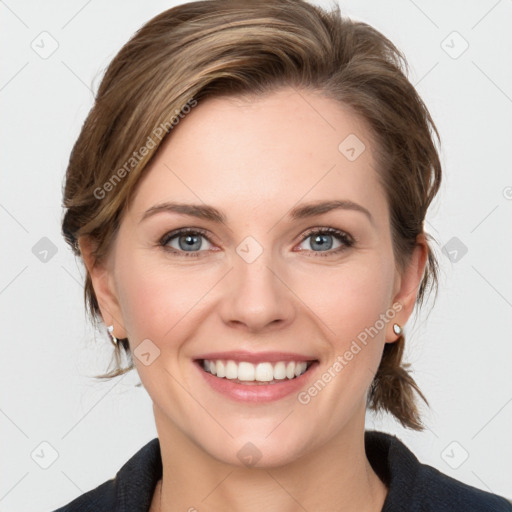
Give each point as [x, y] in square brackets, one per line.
[461, 354]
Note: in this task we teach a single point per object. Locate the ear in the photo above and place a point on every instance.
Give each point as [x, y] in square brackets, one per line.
[407, 284]
[102, 278]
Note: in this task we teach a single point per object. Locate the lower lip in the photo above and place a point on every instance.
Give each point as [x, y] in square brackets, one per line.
[256, 392]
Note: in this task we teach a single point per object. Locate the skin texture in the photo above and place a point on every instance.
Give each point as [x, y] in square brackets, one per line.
[255, 159]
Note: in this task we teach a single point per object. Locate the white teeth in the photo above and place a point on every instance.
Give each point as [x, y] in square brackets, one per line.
[264, 372]
[231, 370]
[246, 371]
[261, 372]
[280, 371]
[221, 369]
[290, 370]
[300, 368]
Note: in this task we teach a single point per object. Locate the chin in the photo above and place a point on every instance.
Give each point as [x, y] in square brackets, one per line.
[256, 450]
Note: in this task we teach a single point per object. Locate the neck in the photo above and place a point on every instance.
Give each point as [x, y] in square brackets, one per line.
[336, 477]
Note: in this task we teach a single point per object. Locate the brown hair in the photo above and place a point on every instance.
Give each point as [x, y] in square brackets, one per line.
[218, 47]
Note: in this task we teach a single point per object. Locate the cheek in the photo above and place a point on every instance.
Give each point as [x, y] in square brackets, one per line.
[355, 309]
[156, 298]
[353, 298]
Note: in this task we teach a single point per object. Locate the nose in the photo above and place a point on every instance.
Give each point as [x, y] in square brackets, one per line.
[257, 298]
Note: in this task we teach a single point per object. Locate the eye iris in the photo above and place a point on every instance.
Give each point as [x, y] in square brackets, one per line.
[191, 242]
[321, 240]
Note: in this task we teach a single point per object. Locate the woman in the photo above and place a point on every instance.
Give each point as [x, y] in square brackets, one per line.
[248, 195]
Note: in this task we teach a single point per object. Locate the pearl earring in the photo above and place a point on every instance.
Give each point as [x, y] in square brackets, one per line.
[111, 332]
[397, 329]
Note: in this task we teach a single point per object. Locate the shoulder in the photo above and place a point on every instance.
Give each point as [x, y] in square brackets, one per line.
[130, 491]
[416, 487]
[443, 492]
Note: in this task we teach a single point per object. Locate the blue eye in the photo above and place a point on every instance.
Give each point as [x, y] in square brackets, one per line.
[189, 241]
[322, 239]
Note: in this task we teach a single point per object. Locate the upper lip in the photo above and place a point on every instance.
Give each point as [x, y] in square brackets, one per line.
[256, 357]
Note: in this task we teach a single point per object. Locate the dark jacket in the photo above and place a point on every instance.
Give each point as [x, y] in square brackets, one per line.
[412, 486]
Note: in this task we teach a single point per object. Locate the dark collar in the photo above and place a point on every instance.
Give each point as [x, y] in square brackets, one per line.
[394, 463]
[412, 486]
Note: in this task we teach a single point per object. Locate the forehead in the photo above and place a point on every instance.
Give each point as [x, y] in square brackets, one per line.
[276, 149]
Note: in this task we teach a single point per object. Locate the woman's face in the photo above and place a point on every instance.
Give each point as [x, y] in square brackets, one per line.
[260, 284]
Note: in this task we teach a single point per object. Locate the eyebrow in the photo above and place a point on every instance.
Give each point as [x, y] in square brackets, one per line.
[210, 213]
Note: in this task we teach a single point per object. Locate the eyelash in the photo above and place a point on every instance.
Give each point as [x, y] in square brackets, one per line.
[343, 237]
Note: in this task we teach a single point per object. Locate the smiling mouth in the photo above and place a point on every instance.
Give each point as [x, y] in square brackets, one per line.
[263, 373]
